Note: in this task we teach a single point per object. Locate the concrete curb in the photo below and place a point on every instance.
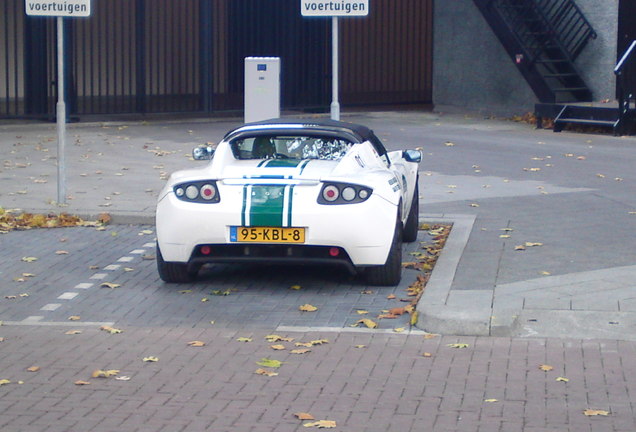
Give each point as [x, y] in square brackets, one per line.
[460, 312]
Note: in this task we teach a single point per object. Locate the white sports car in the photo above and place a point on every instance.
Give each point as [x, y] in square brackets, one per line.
[291, 191]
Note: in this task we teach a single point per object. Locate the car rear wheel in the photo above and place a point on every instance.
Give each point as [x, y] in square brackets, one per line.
[173, 272]
[412, 221]
[390, 273]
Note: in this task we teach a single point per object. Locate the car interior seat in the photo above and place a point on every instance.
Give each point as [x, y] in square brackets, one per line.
[263, 148]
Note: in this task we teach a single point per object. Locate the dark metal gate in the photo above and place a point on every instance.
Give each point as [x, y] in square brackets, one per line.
[169, 56]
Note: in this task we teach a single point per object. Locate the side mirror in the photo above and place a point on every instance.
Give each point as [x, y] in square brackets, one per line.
[202, 153]
[412, 156]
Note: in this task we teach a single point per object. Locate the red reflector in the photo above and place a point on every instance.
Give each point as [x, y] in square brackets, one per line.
[331, 193]
[334, 252]
[205, 250]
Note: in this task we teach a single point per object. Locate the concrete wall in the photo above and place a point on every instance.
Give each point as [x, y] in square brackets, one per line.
[472, 70]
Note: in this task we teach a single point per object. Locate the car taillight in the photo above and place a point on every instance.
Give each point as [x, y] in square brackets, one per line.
[201, 191]
[343, 193]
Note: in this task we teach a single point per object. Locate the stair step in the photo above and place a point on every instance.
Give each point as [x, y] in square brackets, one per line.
[589, 122]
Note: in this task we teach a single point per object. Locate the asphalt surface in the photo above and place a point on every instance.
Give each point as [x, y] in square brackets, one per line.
[538, 270]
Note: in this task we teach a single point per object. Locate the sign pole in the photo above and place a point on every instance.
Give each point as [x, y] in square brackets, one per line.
[61, 116]
[335, 104]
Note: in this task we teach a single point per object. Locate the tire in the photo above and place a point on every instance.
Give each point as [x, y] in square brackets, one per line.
[390, 273]
[412, 224]
[173, 272]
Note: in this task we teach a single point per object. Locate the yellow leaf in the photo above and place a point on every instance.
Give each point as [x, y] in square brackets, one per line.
[295, 287]
[362, 312]
[303, 344]
[204, 299]
[73, 332]
[322, 424]
[360, 346]
[61, 252]
[74, 318]
[414, 317]
[265, 372]
[457, 345]
[319, 342]
[110, 329]
[593, 412]
[562, 379]
[4, 381]
[308, 308]
[545, 368]
[128, 269]
[151, 359]
[277, 338]
[300, 351]
[277, 347]
[104, 373]
[33, 369]
[531, 244]
[244, 339]
[491, 400]
[391, 296]
[80, 382]
[109, 285]
[267, 362]
[398, 330]
[29, 259]
[304, 416]
[427, 354]
[196, 343]
[367, 322]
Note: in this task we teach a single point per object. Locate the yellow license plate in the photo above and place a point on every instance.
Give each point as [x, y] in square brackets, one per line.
[267, 235]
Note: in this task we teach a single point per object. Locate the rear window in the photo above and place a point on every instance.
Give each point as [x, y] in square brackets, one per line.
[290, 147]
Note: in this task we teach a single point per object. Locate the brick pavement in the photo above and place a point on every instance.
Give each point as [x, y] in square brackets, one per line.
[387, 385]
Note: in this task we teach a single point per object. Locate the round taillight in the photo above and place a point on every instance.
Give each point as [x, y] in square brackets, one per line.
[330, 193]
[334, 251]
[205, 250]
[179, 192]
[363, 194]
[192, 192]
[348, 193]
[208, 192]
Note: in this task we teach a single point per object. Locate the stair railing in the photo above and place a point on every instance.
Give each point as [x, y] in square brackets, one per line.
[625, 72]
[568, 23]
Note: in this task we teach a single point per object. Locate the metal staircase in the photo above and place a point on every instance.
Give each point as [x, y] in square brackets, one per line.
[543, 38]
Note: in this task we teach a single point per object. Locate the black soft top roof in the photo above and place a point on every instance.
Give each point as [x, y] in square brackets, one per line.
[361, 133]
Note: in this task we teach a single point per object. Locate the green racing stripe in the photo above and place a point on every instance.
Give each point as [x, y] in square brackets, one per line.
[267, 205]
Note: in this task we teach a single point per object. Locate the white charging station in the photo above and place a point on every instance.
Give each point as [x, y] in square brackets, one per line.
[262, 88]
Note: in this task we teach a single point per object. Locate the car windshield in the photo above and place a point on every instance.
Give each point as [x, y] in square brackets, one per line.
[290, 147]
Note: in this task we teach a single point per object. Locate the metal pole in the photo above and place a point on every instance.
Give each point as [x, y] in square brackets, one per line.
[61, 116]
[335, 105]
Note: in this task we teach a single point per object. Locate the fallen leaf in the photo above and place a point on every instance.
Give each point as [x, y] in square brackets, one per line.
[319, 342]
[73, 332]
[359, 346]
[593, 412]
[304, 416]
[398, 330]
[362, 312]
[110, 329]
[74, 318]
[109, 285]
[300, 351]
[397, 311]
[277, 338]
[491, 400]
[271, 363]
[33, 369]
[151, 359]
[322, 424]
[61, 252]
[265, 372]
[122, 378]
[390, 296]
[278, 347]
[307, 308]
[81, 383]
[545, 368]
[295, 287]
[427, 354]
[29, 259]
[457, 345]
[367, 322]
[196, 343]
[562, 379]
[244, 339]
[104, 373]
[366, 292]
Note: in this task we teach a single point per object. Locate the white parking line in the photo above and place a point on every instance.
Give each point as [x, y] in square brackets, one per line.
[125, 259]
[99, 276]
[68, 296]
[83, 285]
[112, 267]
[51, 306]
